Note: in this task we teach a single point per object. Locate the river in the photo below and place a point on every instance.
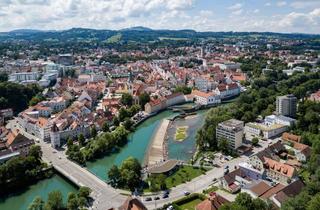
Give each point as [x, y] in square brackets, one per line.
[21, 200]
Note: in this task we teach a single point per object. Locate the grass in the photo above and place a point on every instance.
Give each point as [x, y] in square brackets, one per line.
[173, 39]
[181, 133]
[183, 175]
[191, 204]
[210, 189]
[114, 39]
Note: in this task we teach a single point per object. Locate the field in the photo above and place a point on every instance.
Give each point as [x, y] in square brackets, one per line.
[114, 39]
[181, 133]
[173, 39]
[191, 204]
[182, 175]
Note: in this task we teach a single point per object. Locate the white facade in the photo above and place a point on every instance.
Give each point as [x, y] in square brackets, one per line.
[24, 76]
[261, 130]
[231, 130]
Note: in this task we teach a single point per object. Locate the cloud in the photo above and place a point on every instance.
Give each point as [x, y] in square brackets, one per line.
[281, 3]
[305, 4]
[235, 6]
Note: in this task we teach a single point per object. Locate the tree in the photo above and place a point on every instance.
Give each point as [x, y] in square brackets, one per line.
[255, 141]
[314, 203]
[35, 151]
[84, 192]
[128, 124]
[114, 176]
[3, 77]
[244, 199]
[126, 99]
[37, 204]
[143, 99]
[223, 145]
[81, 139]
[55, 201]
[105, 127]
[93, 131]
[72, 201]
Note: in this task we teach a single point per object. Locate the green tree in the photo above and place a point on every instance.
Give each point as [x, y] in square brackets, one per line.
[81, 139]
[114, 176]
[93, 131]
[3, 77]
[84, 192]
[126, 99]
[35, 151]
[223, 145]
[105, 127]
[143, 99]
[255, 141]
[72, 201]
[314, 202]
[55, 201]
[37, 204]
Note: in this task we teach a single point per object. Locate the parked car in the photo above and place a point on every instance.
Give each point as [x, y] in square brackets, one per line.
[165, 195]
[148, 199]
[157, 198]
[170, 208]
[186, 193]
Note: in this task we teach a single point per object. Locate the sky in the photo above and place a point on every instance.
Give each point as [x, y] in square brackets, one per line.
[288, 16]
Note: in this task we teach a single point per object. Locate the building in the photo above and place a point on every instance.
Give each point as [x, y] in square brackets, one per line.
[65, 59]
[260, 130]
[315, 96]
[232, 131]
[289, 191]
[227, 91]
[278, 171]
[262, 190]
[233, 181]
[214, 202]
[132, 204]
[206, 99]
[287, 105]
[279, 119]
[24, 76]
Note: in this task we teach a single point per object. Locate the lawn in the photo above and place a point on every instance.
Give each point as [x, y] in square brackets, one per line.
[191, 204]
[183, 175]
[181, 133]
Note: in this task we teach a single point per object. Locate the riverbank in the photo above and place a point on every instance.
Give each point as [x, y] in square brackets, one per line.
[156, 152]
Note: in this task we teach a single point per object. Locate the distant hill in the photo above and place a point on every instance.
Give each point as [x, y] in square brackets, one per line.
[137, 28]
[134, 34]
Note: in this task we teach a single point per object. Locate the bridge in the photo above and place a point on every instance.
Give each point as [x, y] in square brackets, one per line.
[104, 196]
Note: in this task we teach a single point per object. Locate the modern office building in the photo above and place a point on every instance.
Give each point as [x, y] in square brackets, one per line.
[231, 130]
[287, 105]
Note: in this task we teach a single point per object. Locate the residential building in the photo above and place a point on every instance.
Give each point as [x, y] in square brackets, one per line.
[206, 99]
[214, 202]
[286, 105]
[24, 76]
[132, 204]
[260, 130]
[232, 131]
[279, 172]
[226, 91]
[315, 96]
[279, 119]
[289, 191]
[234, 180]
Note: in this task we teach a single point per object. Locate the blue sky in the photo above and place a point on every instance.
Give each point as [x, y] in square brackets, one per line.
[203, 15]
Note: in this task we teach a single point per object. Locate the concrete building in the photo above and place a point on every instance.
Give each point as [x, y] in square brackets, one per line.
[24, 76]
[287, 105]
[232, 131]
[204, 98]
[260, 130]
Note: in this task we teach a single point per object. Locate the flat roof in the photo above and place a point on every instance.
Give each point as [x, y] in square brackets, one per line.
[163, 167]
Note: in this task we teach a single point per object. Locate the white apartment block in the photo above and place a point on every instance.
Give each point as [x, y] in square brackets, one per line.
[23, 76]
[231, 130]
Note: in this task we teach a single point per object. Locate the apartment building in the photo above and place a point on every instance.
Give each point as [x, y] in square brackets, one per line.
[287, 105]
[232, 131]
